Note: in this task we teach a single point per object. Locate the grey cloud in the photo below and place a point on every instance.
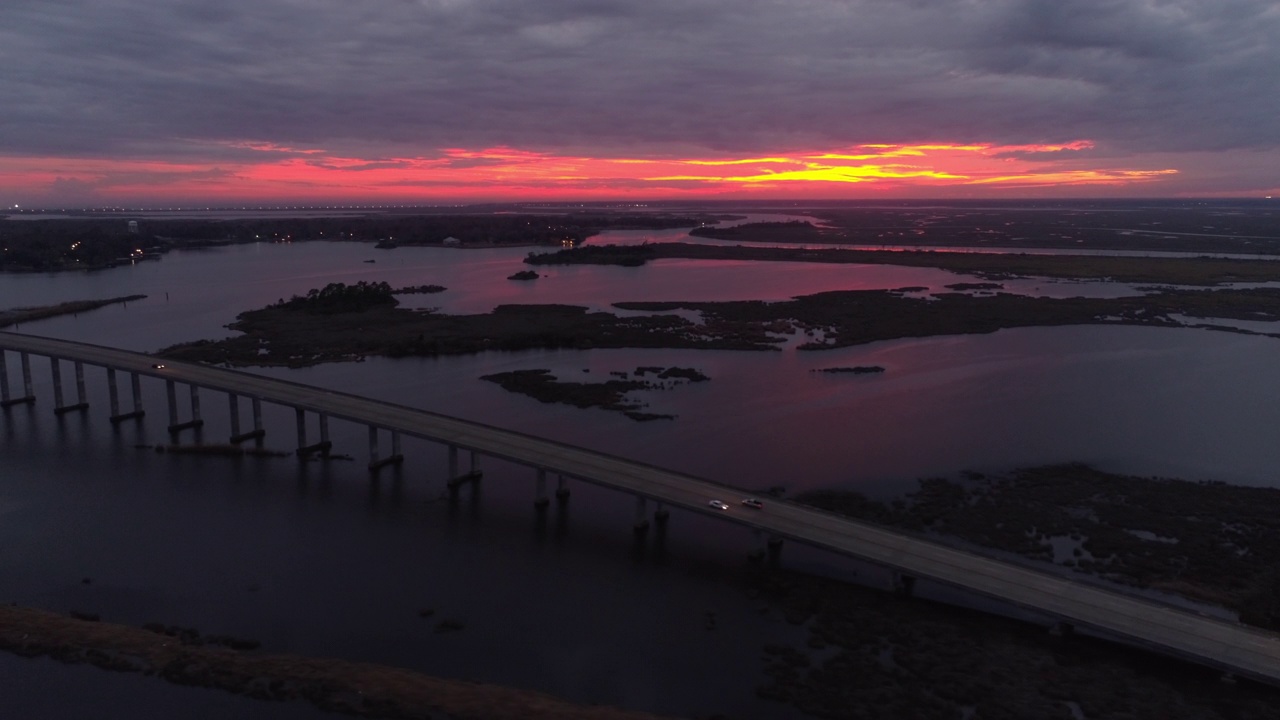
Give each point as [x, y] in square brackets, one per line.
[391, 77]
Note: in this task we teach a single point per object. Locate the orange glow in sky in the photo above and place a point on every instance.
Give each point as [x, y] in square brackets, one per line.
[267, 171]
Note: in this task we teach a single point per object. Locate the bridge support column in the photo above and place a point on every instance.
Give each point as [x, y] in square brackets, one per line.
[641, 525]
[113, 393]
[321, 447]
[257, 432]
[171, 393]
[195, 407]
[904, 585]
[376, 463]
[761, 549]
[59, 408]
[80, 395]
[135, 382]
[540, 499]
[26, 377]
[562, 489]
[233, 411]
[457, 479]
[661, 515]
[774, 547]
[55, 366]
[5, 399]
[175, 427]
[116, 415]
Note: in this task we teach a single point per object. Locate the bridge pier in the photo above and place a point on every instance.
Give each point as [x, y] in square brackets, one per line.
[774, 547]
[761, 549]
[257, 432]
[540, 500]
[376, 463]
[26, 377]
[904, 585]
[175, 426]
[661, 515]
[27, 397]
[116, 415]
[641, 525]
[457, 479]
[321, 447]
[58, 407]
[562, 489]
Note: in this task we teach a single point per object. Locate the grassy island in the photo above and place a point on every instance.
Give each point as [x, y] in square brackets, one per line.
[348, 323]
[608, 395]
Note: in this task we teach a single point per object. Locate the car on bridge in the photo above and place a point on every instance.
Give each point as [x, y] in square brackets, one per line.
[717, 504]
[753, 503]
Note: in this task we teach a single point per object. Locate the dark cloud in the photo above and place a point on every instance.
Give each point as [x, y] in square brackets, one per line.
[404, 77]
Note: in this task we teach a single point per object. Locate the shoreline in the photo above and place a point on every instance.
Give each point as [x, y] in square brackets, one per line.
[340, 686]
[16, 316]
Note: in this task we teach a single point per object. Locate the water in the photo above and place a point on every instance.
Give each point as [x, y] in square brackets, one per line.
[316, 558]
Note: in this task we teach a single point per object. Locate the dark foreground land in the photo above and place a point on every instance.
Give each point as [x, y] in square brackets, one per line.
[1208, 542]
[350, 688]
[869, 653]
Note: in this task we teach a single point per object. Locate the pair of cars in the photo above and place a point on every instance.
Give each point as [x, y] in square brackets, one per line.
[749, 502]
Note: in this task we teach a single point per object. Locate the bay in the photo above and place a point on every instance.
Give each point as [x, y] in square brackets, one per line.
[320, 559]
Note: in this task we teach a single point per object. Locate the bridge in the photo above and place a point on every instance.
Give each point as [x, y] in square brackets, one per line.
[1232, 648]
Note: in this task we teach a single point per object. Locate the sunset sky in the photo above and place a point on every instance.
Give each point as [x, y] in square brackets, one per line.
[172, 102]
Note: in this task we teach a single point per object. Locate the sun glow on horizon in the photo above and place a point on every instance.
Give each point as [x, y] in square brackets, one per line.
[250, 168]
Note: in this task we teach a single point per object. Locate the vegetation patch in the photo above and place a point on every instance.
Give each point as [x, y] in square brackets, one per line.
[608, 395]
[872, 655]
[1207, 541]
[419, 290]
[347, 322]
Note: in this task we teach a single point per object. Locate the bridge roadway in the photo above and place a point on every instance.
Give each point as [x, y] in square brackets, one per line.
[1233, 648]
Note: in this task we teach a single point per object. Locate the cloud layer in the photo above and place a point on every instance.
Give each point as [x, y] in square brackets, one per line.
[219, 80]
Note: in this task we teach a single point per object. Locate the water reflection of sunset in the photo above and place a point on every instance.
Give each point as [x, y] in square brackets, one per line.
[266, 171]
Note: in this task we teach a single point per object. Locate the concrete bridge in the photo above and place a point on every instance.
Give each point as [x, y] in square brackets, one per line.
[1232, 648]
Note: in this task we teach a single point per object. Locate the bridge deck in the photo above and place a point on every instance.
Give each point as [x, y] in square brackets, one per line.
[1235, 648]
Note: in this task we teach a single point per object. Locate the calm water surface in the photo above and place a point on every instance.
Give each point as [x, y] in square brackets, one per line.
[316, 558]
